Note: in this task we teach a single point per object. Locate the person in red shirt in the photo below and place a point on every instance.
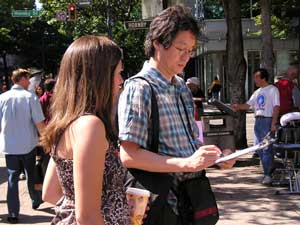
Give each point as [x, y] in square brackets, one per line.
[46, 97]
[288, 91]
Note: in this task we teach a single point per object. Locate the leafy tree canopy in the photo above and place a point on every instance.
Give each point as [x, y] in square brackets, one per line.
[43, 40]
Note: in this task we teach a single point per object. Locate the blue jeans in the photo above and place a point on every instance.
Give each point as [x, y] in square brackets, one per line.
[13, 165]
[261, 128]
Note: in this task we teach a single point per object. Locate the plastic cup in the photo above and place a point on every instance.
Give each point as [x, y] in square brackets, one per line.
[137, 200]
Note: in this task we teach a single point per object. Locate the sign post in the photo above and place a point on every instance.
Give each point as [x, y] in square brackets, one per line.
[137, 25]
[25, 13]
[61, 16]
[84, 3]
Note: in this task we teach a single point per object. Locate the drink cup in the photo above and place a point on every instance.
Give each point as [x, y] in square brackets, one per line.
[137, 200]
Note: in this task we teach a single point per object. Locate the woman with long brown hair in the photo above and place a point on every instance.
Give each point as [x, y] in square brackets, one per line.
[85, 177]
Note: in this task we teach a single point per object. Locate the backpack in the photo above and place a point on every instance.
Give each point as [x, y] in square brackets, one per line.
[285, 88]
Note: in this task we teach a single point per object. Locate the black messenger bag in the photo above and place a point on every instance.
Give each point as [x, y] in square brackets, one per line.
[197, 203]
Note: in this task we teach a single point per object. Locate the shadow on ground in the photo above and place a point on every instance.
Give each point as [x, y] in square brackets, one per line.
[239, 194]
[28, 219]
[247, 162]
[49, 210]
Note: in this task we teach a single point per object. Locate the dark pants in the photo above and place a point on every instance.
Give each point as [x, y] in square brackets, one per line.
[14, 164]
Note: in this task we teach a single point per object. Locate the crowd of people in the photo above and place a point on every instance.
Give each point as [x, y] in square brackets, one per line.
[98, 130]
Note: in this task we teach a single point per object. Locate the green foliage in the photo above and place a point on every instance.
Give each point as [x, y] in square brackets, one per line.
[282, 13]
[5, 37]
[280, 27]
[213, 9]
[42, 41]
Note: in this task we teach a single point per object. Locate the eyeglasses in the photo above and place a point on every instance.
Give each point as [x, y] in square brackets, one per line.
[184, 51]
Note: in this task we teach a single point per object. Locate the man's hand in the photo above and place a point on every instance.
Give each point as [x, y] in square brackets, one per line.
[235, 107]
[273, 128]
[204, 157]
[229, 163]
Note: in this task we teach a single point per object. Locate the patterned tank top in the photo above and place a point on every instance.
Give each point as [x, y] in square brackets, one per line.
[114, 206]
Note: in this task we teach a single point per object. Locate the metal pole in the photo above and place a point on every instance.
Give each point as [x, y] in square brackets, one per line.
[109, 27]
[251, 9]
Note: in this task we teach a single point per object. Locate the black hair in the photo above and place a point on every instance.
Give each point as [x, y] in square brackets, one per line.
[167, 24]
[264, 74]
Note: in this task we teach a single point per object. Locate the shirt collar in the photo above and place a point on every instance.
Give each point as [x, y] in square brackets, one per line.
[16, 86]
[156, 78]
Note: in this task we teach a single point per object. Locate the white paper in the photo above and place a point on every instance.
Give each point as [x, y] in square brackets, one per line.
[241, 152]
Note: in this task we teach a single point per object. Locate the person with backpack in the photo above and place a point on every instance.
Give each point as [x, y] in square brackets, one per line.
[288, 91]
[165, 156]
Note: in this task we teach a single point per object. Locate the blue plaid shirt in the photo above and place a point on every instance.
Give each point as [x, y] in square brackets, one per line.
[134, 116]
[135, 109]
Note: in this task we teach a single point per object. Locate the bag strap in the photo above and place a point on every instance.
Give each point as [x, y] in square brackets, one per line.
[154, 117]
[187, 117]
[188, 129]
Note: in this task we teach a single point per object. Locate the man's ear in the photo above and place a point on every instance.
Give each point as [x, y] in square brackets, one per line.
[156, 44]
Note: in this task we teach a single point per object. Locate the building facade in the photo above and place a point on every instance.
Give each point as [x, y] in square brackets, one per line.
[211, 57]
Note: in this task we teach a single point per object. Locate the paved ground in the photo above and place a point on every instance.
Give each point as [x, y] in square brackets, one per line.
[41, 216]
[241, 198]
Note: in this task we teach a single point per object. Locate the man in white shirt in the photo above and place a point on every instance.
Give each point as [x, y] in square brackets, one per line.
[266, 105]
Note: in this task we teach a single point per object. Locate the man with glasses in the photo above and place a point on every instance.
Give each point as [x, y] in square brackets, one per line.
[169, 45]
[21, 117]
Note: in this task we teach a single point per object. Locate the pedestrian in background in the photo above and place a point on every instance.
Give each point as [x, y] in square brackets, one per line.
[215, 88]
[288, 91]
[169, 45]
[39, 90]
[193, 84]
[85, 178]
[21, 118]
[266, 105]
[3, 88]
[45, 99]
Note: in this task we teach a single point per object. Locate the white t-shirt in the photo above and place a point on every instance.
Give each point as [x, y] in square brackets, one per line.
[263, 100]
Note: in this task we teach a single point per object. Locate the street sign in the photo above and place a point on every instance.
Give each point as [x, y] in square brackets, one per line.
[25, 13]
[61, 16]
[84, 3]
[137, 25]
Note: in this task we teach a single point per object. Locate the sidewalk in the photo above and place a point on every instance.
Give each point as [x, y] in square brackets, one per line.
[42, 216]
[242, 200]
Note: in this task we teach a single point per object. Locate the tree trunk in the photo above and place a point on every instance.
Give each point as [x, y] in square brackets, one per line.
[236, 65]
[267, 41]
